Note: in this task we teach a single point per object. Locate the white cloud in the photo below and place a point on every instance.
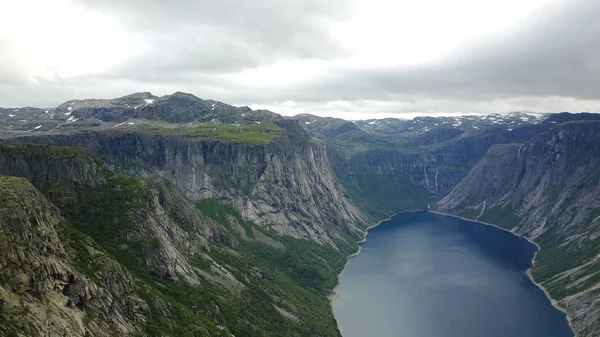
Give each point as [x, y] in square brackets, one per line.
[59, 39]
[345, 58]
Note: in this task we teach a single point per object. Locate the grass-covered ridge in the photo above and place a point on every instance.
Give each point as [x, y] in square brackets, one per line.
[252, 133]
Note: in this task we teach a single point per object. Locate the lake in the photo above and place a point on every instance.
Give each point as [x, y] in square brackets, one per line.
[426, 275]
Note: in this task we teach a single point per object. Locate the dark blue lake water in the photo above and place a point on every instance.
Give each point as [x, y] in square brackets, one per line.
[426, 275]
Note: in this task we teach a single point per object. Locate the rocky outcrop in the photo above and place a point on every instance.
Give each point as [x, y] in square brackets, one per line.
[549, 190]
[41, 292]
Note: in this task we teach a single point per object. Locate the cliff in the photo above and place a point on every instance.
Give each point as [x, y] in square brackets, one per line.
[547, 189]
[392, 164]
[286, 185]
[173, 215]
[89, 251]
[42, 293]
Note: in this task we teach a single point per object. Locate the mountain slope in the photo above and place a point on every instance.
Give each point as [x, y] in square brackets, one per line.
[106, 254]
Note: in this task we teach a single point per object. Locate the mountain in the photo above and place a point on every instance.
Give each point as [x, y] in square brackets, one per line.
[391, 164]
[85, 251]
[232, 226]
[174, 215]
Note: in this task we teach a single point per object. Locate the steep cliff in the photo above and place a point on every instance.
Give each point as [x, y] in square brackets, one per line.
[118, 255]
[286, 184]
[42, 293]
[547, 189]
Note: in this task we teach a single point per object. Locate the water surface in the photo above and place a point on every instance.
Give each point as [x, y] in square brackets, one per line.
[426, 275]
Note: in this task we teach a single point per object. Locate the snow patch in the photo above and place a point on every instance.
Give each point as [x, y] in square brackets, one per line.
[371, 123]
[11, 115]
[120, 124]
[148, 101]
[257, 122]
[37, 127]
[213, 107]
[130, 123]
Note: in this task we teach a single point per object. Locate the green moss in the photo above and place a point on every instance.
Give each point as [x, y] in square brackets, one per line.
[243, 133]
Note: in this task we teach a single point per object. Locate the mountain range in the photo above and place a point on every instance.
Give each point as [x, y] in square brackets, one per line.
[173, 215]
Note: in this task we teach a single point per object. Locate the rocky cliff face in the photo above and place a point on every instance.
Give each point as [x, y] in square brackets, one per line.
[56, 280]
[87, 250]
[42, 293]
[286, 185]
[547, 189]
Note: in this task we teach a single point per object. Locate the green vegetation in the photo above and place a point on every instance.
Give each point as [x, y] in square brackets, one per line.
[503, 216]
[380, 195]
[106, 217]
[296, 277]
[221, 213]
[555, 258]
[299, 276]
[242, 133]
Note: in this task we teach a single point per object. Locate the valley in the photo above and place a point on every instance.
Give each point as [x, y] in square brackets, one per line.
[174, 215]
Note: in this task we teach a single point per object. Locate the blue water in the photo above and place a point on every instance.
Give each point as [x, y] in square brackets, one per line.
[426, 275]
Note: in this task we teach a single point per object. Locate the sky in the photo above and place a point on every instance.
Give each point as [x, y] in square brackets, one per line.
[342, 58]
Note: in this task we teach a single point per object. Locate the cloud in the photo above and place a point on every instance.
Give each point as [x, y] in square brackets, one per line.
[289, 56]
[228, 35]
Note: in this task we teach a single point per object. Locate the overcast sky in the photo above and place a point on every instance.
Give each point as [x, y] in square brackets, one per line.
[343, 58]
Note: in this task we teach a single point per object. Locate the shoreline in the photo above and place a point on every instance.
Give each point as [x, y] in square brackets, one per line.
[334, 296]
[554, 302]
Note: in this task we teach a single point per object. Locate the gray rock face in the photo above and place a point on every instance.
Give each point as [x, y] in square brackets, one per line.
[42, 293]
[37, 269]
[549, 190]
[68, 171]
[286, 185]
